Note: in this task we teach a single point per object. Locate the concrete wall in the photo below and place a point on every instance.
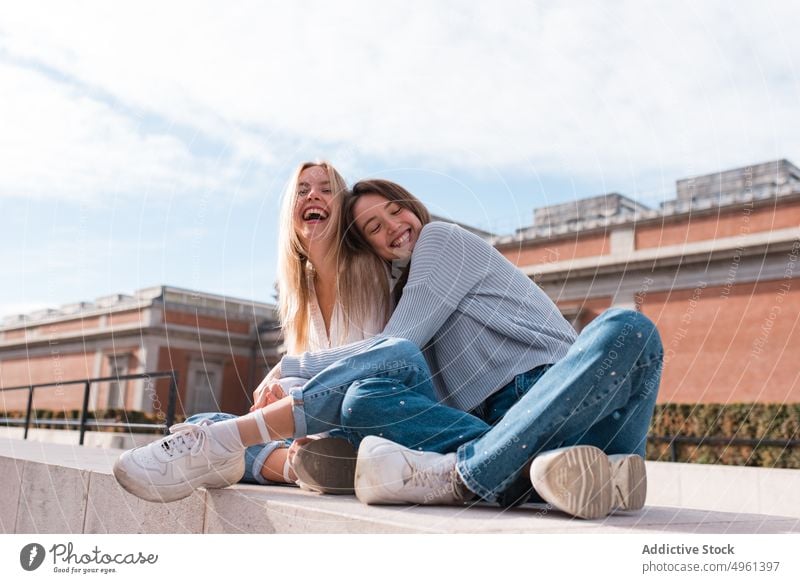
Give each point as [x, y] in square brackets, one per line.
[724, 488]
[51, 488]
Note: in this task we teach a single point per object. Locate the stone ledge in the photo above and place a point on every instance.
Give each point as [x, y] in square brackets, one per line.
[54, 488]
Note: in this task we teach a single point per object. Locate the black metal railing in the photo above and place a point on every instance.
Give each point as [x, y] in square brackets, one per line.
[675, 440]
[84, 423]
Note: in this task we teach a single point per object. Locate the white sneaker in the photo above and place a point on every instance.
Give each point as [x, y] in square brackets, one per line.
[173, 467]
[585, 482]
[388, 473]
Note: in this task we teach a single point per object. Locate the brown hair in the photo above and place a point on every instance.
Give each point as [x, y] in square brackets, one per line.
[391, 191]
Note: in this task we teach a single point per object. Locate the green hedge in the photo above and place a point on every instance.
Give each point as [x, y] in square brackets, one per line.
[742, 420]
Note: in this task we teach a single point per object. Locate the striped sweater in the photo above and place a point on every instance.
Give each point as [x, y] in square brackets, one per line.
[479, 320]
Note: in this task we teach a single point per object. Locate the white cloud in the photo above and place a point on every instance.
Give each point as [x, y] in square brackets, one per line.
[586, 89]
[58, 142]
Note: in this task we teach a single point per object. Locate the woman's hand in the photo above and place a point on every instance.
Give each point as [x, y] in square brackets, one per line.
[269, 391]
[266, 394]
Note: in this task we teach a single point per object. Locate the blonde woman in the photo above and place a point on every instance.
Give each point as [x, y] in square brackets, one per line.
[328, 295]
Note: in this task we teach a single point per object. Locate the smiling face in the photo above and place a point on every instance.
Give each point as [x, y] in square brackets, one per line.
[316, 208]
[391, 230]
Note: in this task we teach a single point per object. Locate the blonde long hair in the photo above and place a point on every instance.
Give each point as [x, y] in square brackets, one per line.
[362, 289]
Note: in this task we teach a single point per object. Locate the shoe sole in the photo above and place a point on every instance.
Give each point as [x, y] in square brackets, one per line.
[576, 480]
[327, 465]
[629, 477]
[173, 492]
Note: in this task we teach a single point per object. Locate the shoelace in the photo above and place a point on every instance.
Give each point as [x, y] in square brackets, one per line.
[186, 437]
[431, 477]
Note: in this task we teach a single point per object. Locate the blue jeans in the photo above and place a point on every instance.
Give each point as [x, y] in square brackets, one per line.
[254, 456]
[601, 393]
[387, 390]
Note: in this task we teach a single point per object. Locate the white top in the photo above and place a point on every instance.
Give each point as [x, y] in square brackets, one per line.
[319, 339]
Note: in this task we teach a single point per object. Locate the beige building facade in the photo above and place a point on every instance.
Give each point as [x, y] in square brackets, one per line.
[220, 348]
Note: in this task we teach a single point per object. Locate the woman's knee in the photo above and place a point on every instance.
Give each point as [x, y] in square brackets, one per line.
[646, 329]
[630, 321]
[628, 328]
[357, 405]
[398, 349]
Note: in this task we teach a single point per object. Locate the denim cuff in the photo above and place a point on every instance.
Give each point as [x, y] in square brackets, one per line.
[298, 413]
[258, 461]
[468, 479]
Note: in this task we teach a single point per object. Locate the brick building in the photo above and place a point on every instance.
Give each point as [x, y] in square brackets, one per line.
[220, 347]
[716, 269]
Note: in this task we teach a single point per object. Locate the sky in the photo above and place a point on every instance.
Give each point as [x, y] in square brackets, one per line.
[148, 143]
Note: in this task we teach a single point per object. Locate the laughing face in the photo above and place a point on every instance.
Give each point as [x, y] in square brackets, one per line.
[315, 208]
[391, 230]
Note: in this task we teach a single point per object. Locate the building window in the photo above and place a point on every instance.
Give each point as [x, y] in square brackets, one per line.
[117, 366]
[204, 388]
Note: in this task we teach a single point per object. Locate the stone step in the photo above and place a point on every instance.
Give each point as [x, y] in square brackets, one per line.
[56, 488]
